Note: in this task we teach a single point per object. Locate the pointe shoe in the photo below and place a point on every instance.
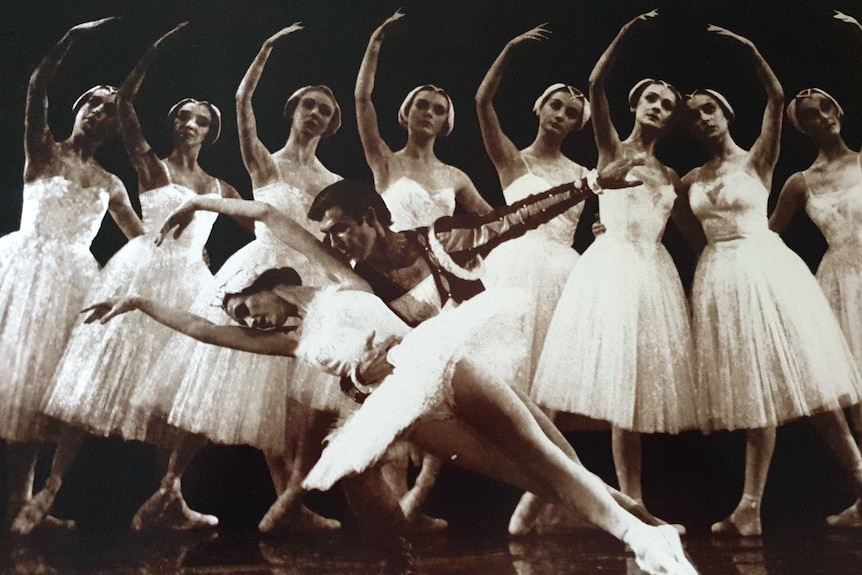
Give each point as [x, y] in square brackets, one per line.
[35, 511]
[422, 523]
[151, 514]
[736, 528]
[850, 517]
[182, 518]
[524, 517]
[658, 550]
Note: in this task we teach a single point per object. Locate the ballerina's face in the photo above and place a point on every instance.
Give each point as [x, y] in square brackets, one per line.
[313, 113]
[191, 124]
[263, 310]
[428, 113]
[655, 106]
[817, 116]
[561, 112]
[97, 117]
[707, 116]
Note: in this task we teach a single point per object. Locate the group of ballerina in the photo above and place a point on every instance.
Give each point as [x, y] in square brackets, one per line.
[420, 335]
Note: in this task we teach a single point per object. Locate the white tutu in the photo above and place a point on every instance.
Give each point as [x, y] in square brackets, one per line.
[537, 263]
[105, 364]
[46, 269]
[412, 206]
[485, 331]
[768, 346]
[619, 344]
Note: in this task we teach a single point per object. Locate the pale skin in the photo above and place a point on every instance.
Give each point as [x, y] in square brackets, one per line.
[836, 168]
[653, 110]
[516, 443]
[710, 126]
[72, 159]
[426, 119]
[189, 131]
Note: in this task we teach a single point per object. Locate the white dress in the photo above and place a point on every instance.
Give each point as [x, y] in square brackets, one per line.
[619, 345]
[46, 269]
[484, 331]
[105, 364]
[838, 214]
[413, 206]
[236, 397]
[768, 346]
[538, 263]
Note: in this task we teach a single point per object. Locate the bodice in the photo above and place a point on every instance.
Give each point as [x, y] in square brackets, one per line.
[61, 210]
[157, 205]
[638, 213]
[561, 228]
[838, 214]
[420, 303]
[289, 200]
[731, 206]
[413, 206]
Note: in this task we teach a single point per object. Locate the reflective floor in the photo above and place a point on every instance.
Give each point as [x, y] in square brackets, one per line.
[584, 552]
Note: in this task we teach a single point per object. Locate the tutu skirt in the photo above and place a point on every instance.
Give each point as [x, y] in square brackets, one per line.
[619, 345]
[769, 348]
[840, 277]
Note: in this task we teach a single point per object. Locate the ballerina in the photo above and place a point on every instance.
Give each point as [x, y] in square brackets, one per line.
[66, 195]
[101, 369]
[619, 344]
[768, 346]
[456, 401]
[209, 400]
[830, 191]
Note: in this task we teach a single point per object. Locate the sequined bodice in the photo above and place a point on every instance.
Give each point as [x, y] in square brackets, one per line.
[561, 228]
[639, 213]
[838, 214]
[157, 205]
[420, 303]
[732, 206]
[61, 210]
[289, 200]
[413, 206]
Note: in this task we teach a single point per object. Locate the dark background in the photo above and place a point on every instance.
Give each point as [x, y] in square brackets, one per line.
[451, 43]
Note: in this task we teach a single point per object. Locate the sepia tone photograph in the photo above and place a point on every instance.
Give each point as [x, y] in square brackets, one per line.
[268, 305]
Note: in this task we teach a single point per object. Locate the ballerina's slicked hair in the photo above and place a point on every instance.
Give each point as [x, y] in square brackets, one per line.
[571, 91]
[215, 125]
[404, 109]
[808, 93]
[293, 101]
[719, 99]
[638, 89]
[82, 99]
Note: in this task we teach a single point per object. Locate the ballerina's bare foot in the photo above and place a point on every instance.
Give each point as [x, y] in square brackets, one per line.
[524, 517]
[658, 550]
[850, 517]
[422, 523]
[36, 510]
[743, 522]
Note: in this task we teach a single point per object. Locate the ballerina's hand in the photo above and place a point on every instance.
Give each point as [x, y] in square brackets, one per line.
[394, 18]
[838, 15]
[718, 30]
[168, 35]
[90, 26]
[373, 365]
[295, 27]
[646, 16]
[106, 310]
[180, 219]
[614, 175]
[537, 33]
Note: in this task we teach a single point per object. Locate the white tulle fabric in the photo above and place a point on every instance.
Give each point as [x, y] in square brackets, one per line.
[104, 365]
[538, 263]
[838, 214]
[46, 269]
[619, 344]
[413, 206]
[768, 346]
[485, 331]
[236, 397]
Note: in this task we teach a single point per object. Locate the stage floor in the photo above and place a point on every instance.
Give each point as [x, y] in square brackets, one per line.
[583, 552]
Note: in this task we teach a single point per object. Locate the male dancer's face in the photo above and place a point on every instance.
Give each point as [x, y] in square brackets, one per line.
[356, 240]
